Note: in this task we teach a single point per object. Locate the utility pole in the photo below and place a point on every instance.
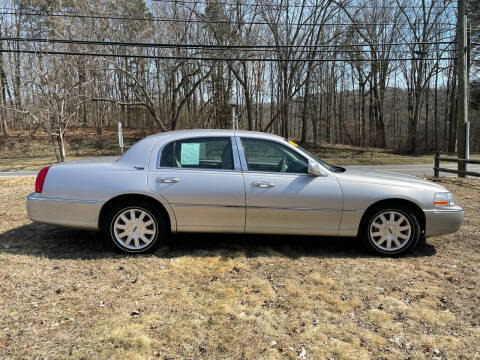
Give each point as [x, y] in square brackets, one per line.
[463, 125]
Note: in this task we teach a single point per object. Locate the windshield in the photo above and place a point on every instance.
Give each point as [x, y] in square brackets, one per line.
[329, 167]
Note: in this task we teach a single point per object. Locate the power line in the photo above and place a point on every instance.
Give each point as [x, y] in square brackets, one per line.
[201, 21]
[221, 47]
[208, 58]
[284, 5]
[256, 4]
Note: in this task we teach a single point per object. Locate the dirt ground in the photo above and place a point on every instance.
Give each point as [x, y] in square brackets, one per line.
[64, 296]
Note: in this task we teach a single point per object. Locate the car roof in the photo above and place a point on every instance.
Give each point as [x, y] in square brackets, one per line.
[138, 152]
[211, 132]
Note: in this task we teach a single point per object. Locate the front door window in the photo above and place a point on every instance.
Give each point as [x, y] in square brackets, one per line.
[271, 156]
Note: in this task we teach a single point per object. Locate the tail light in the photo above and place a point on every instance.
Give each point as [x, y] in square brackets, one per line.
[42, 174]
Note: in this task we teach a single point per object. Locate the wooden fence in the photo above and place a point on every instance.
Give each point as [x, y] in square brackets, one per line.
[437, 169]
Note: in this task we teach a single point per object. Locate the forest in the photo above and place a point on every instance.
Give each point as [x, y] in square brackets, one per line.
[371, 73]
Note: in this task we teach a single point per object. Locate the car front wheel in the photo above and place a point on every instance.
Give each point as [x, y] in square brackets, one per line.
[135, 227]
[391, 230]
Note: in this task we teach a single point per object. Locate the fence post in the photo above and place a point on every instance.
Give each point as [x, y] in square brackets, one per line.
[436, 164]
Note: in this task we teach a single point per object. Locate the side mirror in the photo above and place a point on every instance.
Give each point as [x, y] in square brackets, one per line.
[314, 169]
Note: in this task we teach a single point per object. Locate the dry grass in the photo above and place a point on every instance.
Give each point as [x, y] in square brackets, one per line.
[356, 155]
[23, 152]
[63, 295]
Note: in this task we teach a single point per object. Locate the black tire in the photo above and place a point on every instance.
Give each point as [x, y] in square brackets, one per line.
[422, 241]
[159, 225]
[408, 245]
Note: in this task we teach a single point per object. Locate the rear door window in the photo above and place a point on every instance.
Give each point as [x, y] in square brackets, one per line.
[199, 153]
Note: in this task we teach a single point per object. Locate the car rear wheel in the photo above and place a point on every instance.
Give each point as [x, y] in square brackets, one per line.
[391, 230]
[135, 227]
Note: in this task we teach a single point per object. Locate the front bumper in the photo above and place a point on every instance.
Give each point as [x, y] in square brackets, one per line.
[82, 214]
[442, 222]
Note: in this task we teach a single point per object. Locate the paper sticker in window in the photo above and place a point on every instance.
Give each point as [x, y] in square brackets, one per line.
[190, 154]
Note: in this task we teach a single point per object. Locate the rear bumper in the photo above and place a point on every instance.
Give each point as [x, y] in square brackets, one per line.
[82, 214]
[442, 222]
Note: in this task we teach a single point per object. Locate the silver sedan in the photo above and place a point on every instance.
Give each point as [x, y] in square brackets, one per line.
[237, 182]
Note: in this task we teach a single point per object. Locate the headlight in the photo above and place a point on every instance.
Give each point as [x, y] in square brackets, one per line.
[443, 199]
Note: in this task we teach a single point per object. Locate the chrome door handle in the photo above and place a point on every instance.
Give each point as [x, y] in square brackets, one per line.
[168, 180]
[262, 184]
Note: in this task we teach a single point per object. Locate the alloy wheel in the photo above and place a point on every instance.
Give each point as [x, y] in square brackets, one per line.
[390, 230]
[134, 228]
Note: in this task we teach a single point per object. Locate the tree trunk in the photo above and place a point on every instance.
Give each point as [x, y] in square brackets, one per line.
[285, 101]
[416, 117]
[328, 117]
[452, 126]
[248, 99]
[435, 120]
[341, 107]
[379, 118]
[363, 140]
[427, 105]
[61, 147]
[306, 96]
[82, 78]
[3, 91]
[411, 123]
[356, 118]
[370, 117]
[17, 80]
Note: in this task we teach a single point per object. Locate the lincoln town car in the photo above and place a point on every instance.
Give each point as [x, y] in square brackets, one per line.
[238, 182]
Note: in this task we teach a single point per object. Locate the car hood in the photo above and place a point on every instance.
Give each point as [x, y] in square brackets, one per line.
[386, 178]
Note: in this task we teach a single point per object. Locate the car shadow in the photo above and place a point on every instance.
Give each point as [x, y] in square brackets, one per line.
[63, 243]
